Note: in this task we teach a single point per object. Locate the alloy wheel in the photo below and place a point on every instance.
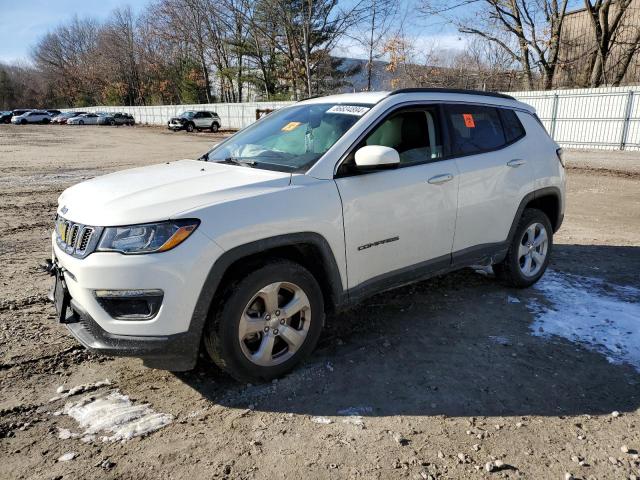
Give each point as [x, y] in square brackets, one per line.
[274, 324]
[533, 249]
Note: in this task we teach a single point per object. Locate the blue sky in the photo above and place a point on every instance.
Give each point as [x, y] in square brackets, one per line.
[22, 22]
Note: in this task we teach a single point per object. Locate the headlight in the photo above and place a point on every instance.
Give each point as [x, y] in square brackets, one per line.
[148, 237]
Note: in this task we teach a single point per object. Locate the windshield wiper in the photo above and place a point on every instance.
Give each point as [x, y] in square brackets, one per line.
[242, 163]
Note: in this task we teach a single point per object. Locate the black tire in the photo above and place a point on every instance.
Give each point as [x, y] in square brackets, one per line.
[509, 271]
[190, 127]
[80, 122]
[45, 121]
[214, 127]
[221, 332]
[23, 122]
[112, 122]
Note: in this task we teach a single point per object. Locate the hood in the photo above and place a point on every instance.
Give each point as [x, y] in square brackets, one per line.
[161, 192]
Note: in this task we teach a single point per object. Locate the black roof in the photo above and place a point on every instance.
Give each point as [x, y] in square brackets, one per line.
[452, 90]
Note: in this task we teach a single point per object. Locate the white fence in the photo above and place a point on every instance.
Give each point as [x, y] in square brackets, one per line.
[605, 118]
[233, 115]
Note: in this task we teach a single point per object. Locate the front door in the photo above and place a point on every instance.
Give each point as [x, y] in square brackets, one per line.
[399, 223]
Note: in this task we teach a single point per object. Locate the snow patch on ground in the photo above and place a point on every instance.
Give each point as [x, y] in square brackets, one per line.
[322, 420]
[603, 316]
[114, 416]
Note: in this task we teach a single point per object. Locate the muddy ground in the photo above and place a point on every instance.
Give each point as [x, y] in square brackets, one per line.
[429, 381]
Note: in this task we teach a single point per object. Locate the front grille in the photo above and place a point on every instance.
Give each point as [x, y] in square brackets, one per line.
[76, 239]
[84, 238]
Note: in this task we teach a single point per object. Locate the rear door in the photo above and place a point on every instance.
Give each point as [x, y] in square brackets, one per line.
[495, 174]
[203, 120]
[400, 222]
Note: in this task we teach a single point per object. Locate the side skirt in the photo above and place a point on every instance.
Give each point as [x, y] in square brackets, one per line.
[478, 255]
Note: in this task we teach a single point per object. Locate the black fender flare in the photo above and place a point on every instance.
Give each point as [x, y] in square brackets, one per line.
[542, 192]
[229, 257]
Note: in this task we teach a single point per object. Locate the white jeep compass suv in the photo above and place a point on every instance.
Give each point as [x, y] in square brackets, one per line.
[241, 253]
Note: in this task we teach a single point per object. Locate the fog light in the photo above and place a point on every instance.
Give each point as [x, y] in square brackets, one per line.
[130, 304]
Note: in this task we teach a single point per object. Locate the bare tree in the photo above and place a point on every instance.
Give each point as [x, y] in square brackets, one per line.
[66, 59]
[377, 19]
[533, 28]
[611, 29]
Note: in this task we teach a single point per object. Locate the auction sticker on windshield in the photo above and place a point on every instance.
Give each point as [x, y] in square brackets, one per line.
[291, 126]
[357, 110]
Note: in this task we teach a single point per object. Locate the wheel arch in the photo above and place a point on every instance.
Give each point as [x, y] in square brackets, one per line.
[310, 249]
[548, 199]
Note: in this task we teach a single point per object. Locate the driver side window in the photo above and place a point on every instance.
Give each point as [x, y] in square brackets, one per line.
[414, 133]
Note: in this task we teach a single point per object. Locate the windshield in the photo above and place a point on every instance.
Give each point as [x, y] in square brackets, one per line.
[188, 114]
[291, 139]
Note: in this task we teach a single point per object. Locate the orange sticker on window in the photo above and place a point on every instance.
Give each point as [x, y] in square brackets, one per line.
[291, 126]
[468, 120]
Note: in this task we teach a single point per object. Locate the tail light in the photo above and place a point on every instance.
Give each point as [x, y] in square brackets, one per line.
[559, 154]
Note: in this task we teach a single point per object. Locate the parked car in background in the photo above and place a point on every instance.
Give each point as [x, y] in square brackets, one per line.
[20, 111]
[84, 119]
[195, 120]
[64, 116]
[116, 119]
[5, 117]
[33, 116]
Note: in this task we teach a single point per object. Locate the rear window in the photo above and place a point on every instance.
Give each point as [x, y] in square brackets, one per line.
[474, 129]
[513, 129]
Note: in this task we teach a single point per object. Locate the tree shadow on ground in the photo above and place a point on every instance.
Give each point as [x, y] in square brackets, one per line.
[457, 345]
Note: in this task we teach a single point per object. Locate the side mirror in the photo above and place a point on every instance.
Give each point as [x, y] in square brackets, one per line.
[374, 157]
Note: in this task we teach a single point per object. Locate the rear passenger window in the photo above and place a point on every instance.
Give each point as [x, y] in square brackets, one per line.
[474, 129]
[513, 129]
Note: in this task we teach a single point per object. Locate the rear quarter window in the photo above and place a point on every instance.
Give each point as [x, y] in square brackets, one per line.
[474, 129]
[513, 129]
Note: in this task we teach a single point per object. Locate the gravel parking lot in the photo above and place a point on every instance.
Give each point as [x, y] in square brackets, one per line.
[456, 377]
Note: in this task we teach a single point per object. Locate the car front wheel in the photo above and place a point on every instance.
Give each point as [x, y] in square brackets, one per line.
[266, 322]
[190, 127]
[530, 250]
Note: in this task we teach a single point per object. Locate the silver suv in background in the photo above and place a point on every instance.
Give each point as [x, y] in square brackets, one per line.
[195, 120]
[33, 116]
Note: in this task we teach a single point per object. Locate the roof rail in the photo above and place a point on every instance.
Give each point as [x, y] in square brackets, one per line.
[452, 90]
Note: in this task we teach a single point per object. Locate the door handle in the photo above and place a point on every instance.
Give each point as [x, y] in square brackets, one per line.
[516, 163]
[438, 179]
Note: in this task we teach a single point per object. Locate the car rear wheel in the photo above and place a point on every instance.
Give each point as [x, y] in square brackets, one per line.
[530, 250]
[266, 322]
[214, 127]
